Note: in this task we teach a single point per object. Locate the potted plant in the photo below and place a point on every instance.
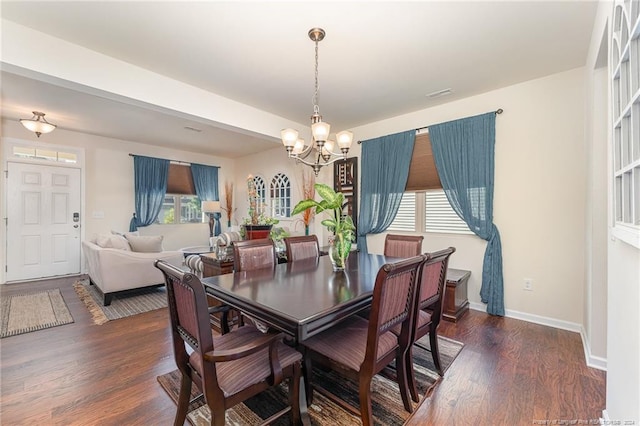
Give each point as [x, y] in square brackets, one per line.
[257, 225]
[340, 225]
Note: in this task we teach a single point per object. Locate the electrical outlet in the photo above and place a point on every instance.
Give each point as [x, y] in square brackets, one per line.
[528, 284]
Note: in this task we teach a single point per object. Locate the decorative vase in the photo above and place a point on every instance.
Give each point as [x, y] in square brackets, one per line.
[339, 248]
[306, 230]
[255, 232]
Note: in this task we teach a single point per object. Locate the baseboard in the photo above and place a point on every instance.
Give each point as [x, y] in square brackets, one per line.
[591, 361]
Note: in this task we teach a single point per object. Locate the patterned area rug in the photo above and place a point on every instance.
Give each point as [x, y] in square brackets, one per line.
[385, 395]
[122, 305]
[27, 312]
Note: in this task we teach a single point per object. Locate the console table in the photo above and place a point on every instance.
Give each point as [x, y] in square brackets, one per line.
[456, 303]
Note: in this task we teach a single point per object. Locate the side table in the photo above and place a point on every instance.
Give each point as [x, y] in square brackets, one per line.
[211, 266]
[456, 303]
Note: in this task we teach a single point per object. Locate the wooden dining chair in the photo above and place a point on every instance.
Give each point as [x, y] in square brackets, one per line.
[227, 369]
[249, 255]
[402, 245]
[359, 348]
[427, 311]
[302, 247]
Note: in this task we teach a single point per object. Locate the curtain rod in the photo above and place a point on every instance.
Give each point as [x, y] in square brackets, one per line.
[172, 161]
[498, 111]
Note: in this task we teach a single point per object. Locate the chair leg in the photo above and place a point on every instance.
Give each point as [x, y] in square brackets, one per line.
[183, 400]
[307, 372]
[402, 377]
[365, 401]
[411, 375]
[294, 395]
[224, 322]
[435, 351]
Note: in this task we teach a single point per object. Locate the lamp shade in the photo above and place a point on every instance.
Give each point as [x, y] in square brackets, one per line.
[211, 206]
[38, 124]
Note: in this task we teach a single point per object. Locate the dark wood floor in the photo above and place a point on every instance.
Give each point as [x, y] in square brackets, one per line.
[509, 373]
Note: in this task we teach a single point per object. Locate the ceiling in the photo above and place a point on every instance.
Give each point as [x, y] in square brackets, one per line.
[378, 60]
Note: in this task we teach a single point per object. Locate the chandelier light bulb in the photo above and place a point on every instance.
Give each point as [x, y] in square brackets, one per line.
[289, 137]
[320, 130]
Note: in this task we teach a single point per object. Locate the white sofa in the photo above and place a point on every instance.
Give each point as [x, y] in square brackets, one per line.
[117, 269]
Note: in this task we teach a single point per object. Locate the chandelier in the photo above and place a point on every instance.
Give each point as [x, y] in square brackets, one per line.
[322, 145]
[38, 124]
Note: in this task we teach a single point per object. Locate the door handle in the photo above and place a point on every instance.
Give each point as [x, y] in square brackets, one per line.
[76, 225]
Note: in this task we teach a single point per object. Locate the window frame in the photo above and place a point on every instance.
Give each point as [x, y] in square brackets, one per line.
[280, 194]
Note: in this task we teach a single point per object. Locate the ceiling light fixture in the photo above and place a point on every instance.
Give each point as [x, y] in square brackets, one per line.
[38, 124]
[324, 145]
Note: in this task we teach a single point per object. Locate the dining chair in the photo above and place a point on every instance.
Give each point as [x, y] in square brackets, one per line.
[302, 247]
[227, 369]
[402, 245]
[359, 349]
[427, 311]
[249, 255]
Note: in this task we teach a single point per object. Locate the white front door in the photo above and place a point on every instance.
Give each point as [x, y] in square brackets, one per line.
[43, 221]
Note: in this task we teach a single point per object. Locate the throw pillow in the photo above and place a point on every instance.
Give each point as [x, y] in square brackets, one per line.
[113, 241]
[145, 244]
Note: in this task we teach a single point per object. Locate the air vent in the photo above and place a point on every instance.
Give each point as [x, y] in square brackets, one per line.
[443, 92]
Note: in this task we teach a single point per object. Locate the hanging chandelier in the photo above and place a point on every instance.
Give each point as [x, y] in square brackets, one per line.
[322, 145]
[38, 124]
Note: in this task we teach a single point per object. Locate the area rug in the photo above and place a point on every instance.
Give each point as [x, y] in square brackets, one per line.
[385, 395]
[22, 313]
[123, 304]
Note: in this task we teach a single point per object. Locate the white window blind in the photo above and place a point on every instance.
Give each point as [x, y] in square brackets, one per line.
[405, 219]
[440, 216]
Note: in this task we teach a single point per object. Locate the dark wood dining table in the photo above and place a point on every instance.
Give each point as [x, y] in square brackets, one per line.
[301, 298]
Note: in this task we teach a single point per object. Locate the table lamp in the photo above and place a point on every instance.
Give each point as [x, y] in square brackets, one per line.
[211, 207]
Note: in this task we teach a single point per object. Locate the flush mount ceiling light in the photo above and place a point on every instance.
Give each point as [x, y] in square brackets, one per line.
[38, 124]
[321, 143]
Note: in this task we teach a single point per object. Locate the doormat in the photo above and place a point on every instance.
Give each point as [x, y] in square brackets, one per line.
[23, 313]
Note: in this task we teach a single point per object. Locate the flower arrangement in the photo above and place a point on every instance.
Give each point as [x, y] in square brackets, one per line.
[308, 193]
[228, 201]
[256, 216]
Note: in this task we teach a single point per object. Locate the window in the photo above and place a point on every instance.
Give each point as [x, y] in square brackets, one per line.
[181, 204]
[625, 85]
[280, 196]
[405, 219]
[261, 192]
[188, 206]
[431, 210]
[44, 154]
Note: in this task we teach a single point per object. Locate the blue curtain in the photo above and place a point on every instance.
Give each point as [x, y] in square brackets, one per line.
[205, 180]
[150, 177]
[385, 168]
[463, 151]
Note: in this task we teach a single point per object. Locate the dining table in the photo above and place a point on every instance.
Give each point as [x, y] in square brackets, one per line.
[301, 298]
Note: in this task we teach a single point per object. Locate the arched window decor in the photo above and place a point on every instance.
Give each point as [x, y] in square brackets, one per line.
[261, 192]
[281, 196]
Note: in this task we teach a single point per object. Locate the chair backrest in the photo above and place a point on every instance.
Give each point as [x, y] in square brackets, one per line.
[403, 245]
[432, 281]
[302, 247]
[249, 255]
[189, 317]
[393, 301]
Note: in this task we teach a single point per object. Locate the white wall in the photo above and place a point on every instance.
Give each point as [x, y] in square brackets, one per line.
[109, 182]
[540, 181]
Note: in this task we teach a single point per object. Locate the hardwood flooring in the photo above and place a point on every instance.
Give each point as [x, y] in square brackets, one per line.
[509, 373]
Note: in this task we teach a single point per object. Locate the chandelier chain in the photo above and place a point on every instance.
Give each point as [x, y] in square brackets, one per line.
[316, 107]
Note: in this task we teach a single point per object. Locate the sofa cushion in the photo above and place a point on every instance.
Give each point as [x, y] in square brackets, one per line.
[113, 241]
[145, 244]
